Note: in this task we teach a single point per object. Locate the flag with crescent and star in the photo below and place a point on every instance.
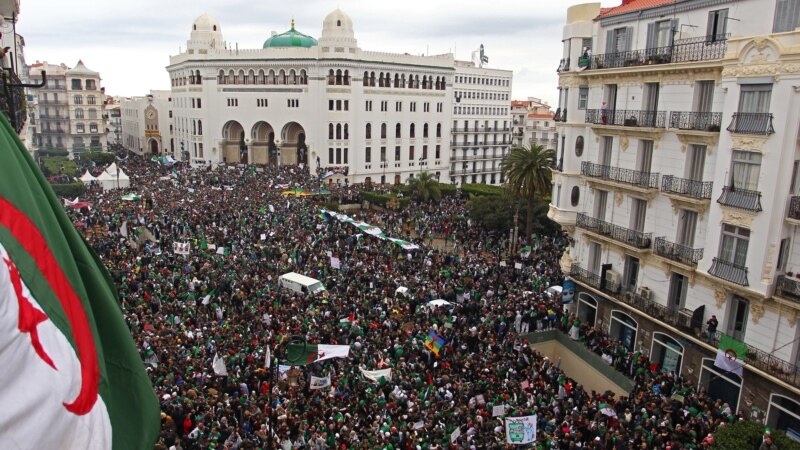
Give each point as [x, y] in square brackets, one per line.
[70, 373]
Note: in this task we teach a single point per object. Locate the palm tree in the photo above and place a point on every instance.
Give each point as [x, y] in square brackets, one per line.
[425, 187]
[527, 171]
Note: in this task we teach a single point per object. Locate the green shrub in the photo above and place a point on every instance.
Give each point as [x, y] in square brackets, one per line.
[52, 152]
[747, 435]
[69, 190]
[53, 165]
[482, 189]
[375, 198]
[99, 158]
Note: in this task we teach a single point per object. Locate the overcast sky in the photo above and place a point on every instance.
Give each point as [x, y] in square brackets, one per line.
[129, 42]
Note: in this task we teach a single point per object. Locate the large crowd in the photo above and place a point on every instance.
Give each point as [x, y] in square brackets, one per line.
[223, 299]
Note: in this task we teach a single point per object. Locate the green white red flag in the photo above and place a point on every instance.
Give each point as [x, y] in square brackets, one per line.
[302, 354]
[70, 373]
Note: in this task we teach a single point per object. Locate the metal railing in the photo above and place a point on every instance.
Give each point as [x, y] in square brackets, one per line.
[699, 121]
[12, 100]
[700, 190]
[705, 48]
[740, 198]
[751, 123]
[729, 271]
[563, 65]
[788, 288]
[767, 362]
[483, 130]
[794, 207]
[627, 117]
[627, 236]
[594, 280]
[619, 175]
[677, 252]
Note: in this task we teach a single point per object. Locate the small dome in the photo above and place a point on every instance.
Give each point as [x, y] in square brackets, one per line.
[337, 21]
[206, 23]
[291, 38]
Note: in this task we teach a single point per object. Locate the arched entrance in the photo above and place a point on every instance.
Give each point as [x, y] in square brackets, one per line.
[726, 386]
[233, 145]
[397, 179]
[666, 352]
[292, 147]
[784, 414]
[153, 143]
[623, 328]
[587, 308]
[262, 146]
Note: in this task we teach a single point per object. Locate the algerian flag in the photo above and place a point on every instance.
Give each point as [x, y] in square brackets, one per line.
[319, 383]
[730, 355]
[525, 252]
[302, 354]
[377, 375]
[69, 361]
[219, 366]
[131, 197]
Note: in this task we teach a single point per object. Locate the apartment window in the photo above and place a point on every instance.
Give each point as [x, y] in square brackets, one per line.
[783, 254]
[200, 103]
[90, 85]
[92, 128]
[76, 84]
[745, 168]
[631, 277]
[347, 105]
[384, 105]
[412, 106]
[638, 213]
[717, 25]
[438, 152]
[583, 97]
[398, 106]
[345, 155]
[383, 154]
[330, 105]
[291, 103]
[397, 153]
[78, 99]
[232, 102]
[412, 131]
[439, 107]
[619, 40]
[424, 152]
[368, 155]
[368, 131]
[91, 100]
[703, 95]
[425, 130]
[733, 247]
[338, 105]
[411, 153]
[687, 228]
[659, 34]
[330, 156]
[80, 128]
[368, 105]
[787, 16]
[737, 325]
[426, 107]
[79, 113]
[383, 131]
[397, 132]
[678, 287]
[755, 98]
[600, 202]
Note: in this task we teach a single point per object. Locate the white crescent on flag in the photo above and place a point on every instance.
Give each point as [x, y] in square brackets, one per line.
[46, 374]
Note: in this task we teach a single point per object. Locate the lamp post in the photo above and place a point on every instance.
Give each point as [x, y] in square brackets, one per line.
[282, 347]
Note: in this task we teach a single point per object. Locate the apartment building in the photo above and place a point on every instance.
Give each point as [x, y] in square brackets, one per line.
[533, 123]
[677, 178]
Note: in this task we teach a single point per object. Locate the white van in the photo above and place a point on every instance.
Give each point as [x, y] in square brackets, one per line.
[301, 283]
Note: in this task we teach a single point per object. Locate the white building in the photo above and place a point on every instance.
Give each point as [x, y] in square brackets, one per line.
[113, 116]
[147, 124]
[534, 123]
[328, 103]
[15, 104]
[481, 129]
[677, 179]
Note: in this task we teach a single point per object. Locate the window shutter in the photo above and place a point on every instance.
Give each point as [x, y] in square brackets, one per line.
[710, 32]
[722, 25]
[610, 47]
[628, 38]
[651, 35]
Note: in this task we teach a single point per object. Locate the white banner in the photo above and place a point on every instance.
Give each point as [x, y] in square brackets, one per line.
[181, 248]
[455, 435]
[375, 375]
[520, 430]
[319, 383]
[219, 366]
[335, 263]
[498, 410]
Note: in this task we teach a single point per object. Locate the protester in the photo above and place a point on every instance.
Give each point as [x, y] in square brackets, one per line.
[222, 302]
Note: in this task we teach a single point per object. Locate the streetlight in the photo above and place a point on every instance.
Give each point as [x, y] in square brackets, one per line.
[298, 357]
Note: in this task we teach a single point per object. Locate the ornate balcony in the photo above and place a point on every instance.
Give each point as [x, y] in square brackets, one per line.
[729, 271]
[740, 198]
[788, 288]
[794, 208]
[637, 239]
[618, 175]
[627, 117]
[705, 48]
[700, 190]
[592, 279]
[751, 123]
[697, 121]
[677, 252]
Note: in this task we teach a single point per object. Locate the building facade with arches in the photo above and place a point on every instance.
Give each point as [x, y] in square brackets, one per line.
[379, 117]
[678, 180]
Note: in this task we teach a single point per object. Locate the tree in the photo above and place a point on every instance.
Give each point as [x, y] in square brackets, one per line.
[747, 435]
[425, 187]
[527, 170]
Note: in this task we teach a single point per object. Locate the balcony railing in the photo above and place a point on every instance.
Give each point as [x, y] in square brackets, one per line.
[698, 121]
[740, 198]
[616, 174]
[563, 65]
[700, 190]
[12, 99]
[729, 271]
[627, 117]
[751, 123]
[633, 238]
[594, 280]
[788, 288]
[695, 49]
[794, 208]
[677, 252]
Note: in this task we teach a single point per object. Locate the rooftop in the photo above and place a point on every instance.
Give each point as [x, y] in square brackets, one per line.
[633, 5]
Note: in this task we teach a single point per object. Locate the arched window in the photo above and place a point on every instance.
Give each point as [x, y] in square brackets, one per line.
[240, 79]
[575, 196]
[347, 78]
[425, 130]
[338, 131]
[579, 146]
[623, 328]
[396, 80]
[198, 78]
[199, 127]
[339, 77]
[331, 77]
[292, 77]
[388, 82]
[251, 77]
[412, 131]
[330, 131]
[403, 81]
[271, 77]
[231, 79]
[587, 308]
[783, 413]
[380, 80]
[383, 131]
[346, 131]
[666, 352]
[368, 131]
[303, 76]
[366, 79]
[424, 82]
[282, 77]
[397, 131]
[262, 79]
[438, 130]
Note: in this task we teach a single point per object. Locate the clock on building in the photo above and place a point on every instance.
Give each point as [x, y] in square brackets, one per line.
[150, 114]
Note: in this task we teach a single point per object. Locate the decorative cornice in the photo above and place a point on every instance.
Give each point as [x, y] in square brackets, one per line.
[762, 69]
[737, 217]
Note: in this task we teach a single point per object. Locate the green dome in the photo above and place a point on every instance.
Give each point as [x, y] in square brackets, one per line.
[291, 38]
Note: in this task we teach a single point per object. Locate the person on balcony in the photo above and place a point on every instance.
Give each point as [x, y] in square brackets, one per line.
[712, 327]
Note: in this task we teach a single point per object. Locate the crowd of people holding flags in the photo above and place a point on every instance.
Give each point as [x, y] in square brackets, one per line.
[196, 256]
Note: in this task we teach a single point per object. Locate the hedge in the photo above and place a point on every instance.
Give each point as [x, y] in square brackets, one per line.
[482, 189]
[447, 189]
[747, 435]
[70, 190]
[52, 152]
[99, 158]
[376, 198]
